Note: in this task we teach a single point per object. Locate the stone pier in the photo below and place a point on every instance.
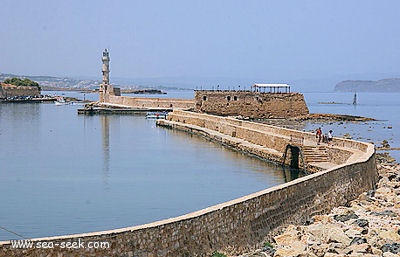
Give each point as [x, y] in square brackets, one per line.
[242, 224]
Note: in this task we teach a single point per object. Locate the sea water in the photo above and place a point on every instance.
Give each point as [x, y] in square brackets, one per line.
[383, 107]
[64, 173]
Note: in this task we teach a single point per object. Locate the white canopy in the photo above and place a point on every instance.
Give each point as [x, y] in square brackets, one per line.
[273, 88]
[272, 85]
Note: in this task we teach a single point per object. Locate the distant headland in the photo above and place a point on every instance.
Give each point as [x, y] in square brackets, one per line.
[383, 85]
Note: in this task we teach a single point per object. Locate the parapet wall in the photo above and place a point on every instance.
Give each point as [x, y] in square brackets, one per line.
[7, 90]
[237, 225]
[273, 140]
[251, 104]
[162, 103]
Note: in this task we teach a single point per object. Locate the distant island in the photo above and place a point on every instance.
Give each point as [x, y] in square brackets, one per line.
[383, 85]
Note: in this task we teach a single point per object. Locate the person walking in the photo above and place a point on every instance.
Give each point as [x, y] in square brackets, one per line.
[318, 135]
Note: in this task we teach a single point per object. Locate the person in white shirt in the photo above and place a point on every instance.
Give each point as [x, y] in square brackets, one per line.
[330, 137]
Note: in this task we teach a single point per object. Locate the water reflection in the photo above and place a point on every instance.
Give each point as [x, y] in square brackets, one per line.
[77, 187]
[290, 174]
[105, 129]
[20, 112]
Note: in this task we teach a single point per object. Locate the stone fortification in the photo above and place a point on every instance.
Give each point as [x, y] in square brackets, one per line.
[240, 224]
[8, 90]
[250, 104]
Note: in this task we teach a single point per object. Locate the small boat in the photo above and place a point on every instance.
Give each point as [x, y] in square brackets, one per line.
[61, 101]
[156, 115]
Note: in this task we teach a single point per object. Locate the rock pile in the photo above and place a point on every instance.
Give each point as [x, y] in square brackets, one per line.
[385, 158]
[369, 226]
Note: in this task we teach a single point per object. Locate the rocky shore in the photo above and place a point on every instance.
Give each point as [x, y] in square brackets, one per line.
[319, 119]
[367, 226]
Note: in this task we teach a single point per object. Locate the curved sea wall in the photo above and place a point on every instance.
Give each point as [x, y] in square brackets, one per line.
[237, 225]
[268, 142]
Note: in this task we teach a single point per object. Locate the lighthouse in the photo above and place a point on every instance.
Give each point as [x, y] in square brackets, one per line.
[106, 67]
[106, 74]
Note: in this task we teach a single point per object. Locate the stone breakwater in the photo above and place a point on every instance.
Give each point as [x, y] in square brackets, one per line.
[367, 226]
[242, 224]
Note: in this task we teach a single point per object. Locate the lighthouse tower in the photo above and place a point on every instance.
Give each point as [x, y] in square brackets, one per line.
[106, 74]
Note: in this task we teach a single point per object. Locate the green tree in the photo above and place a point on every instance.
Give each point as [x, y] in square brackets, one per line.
[22, 82]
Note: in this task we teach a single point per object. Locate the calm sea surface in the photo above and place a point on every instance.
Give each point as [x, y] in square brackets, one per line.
[384, 107]
[63, 173]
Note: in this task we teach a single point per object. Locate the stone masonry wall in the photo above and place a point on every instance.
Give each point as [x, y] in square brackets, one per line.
[136, 102]
[233, 226]
[277, 138]
[7, 90]
[251, 104]
[338, 156]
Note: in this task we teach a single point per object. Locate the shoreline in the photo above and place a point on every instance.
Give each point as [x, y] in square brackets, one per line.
[241, 221]
[150, 91]
[367, 226]
[378, 132]
[84, 90]
[31, 100]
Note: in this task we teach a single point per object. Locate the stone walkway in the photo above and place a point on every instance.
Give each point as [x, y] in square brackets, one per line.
[368, 226]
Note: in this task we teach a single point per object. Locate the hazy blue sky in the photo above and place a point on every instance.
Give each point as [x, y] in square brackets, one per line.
[183, 38]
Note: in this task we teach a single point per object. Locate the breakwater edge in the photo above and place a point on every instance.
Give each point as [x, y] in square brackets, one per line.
[236, 225]
[366, 226]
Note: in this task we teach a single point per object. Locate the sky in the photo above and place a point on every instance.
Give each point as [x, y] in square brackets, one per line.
[272, 40]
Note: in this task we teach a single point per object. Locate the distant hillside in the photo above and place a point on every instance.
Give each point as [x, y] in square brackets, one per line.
[383, 85]
[66, 83]
[55, 82]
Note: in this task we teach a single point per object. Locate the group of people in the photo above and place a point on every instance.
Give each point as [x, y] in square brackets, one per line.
[323, 138]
